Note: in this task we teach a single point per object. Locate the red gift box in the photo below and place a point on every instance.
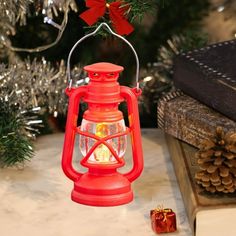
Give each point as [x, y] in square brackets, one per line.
[163, 220]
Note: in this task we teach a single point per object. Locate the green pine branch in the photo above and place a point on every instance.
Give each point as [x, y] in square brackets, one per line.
[15, 146]
[15, 149]
[139, 8]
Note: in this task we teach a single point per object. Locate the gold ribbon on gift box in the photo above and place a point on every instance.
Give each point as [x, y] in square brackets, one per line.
[162, 210]
[165, 215]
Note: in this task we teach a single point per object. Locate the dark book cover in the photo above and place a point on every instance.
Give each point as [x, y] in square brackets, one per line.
[189, 120]
[209, 75]
[207, 213]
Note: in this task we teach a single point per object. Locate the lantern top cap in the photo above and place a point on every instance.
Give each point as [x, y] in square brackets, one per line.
[104, 67]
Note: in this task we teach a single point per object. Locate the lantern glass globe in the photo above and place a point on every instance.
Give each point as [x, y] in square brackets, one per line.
[102, 154]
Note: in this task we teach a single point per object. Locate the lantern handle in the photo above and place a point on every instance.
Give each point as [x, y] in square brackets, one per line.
[70, 81]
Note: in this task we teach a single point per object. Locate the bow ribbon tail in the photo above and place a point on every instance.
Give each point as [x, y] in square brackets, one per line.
[96, 10]
[119, 22]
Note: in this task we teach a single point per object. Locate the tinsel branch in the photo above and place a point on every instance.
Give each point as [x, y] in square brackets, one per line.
[36, 83]
[14, 11]
[157, 78]
[27, 90]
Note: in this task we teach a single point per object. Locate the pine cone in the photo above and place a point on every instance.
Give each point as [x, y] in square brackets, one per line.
[217, 161]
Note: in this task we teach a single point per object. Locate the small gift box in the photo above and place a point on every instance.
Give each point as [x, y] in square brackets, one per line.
[163, 220]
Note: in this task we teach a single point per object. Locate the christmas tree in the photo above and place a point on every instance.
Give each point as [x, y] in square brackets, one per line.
[37, 35]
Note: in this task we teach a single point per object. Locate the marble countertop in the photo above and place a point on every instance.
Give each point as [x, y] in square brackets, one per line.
[36, 200]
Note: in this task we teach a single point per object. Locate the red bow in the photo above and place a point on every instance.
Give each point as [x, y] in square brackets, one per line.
[116, 12]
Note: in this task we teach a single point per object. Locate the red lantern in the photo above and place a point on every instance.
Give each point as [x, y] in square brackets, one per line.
[102, 138]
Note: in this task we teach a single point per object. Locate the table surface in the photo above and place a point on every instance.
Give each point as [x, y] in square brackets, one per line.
[36, 199]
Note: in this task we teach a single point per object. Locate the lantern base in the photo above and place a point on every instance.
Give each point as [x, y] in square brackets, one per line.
[111, 189]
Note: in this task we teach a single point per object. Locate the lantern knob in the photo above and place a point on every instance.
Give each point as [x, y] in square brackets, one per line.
[103, 67]
[103, 71]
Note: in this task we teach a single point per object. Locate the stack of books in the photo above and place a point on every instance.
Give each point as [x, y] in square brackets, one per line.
[205, 98]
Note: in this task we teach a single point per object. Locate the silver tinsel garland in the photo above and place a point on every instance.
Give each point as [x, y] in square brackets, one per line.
[37, 84]
[16, 11]
[13, 11]
[157, 77]
[28, 90]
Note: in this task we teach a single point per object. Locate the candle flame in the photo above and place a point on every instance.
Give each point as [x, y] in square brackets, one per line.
[102, 153]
